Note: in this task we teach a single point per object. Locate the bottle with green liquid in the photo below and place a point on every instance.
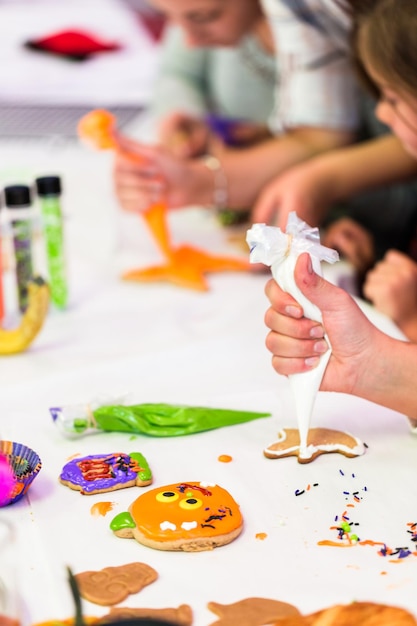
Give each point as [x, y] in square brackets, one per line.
[18, 202]
[49, 191]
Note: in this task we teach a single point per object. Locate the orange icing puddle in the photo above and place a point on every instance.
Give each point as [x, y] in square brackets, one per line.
[261, 536]
[101, 508]
[327, 542]
[224, 458]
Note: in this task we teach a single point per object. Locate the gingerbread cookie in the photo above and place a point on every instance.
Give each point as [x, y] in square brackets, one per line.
[358, 613]
[112, 585]
[183, 615]
[189, 516]
[106, 472]
[319, 441]
[252, 612]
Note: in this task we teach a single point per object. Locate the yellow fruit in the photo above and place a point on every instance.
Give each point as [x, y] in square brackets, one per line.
[18, 339]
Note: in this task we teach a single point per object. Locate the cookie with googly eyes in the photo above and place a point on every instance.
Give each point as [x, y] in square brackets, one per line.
[188, 516]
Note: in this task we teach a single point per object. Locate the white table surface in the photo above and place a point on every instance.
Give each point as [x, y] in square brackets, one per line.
[165, 344]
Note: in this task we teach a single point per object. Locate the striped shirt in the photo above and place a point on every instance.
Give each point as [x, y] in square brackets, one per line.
[318, 86]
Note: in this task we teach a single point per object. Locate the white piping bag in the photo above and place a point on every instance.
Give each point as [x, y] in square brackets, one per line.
[271, 246]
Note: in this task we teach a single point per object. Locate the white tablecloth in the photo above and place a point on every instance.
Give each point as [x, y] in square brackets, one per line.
[165, 344]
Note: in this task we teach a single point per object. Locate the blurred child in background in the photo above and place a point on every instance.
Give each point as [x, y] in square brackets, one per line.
[316, 105]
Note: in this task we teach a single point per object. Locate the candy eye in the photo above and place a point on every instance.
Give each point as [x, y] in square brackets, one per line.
[167, 496]
[190, 503]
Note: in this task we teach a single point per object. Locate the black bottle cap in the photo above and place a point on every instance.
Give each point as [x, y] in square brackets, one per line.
[48, 185]
[17, 195]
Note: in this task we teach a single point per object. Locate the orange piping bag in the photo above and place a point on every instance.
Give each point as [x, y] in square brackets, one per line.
[98, 128]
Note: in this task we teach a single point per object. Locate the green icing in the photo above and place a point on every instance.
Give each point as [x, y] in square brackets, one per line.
[166, 420]
[122, 520]
[145, 473]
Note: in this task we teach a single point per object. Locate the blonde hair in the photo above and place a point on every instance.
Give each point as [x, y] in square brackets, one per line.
[385, 39]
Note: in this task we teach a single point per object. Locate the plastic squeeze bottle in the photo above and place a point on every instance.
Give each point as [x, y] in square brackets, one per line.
[18, 201]
[49, 190]
[279, 250]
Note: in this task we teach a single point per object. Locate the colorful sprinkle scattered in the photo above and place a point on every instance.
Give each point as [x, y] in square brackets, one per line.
[346, 538]
[299, 492]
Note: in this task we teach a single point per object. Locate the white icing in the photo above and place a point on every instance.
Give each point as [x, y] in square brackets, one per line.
[280, 250]
[167, 526]
[207, 484]
[189, 525]
[310, 450]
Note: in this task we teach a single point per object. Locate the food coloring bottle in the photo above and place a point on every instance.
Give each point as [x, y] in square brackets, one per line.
[18, 201]
[49, 191]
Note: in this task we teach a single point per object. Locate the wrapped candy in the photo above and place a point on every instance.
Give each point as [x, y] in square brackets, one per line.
[271, 246]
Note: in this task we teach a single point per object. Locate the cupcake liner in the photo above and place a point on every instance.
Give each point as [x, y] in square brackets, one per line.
[25, 465]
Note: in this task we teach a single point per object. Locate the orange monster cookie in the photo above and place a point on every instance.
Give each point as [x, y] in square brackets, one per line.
[112, 585]
[106, 472]
[189, 516]
[319, 441]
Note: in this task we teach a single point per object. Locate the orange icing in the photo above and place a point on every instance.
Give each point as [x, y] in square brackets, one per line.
[261, 536]
[190, 503]
[336, 544]
[101, 508]
[225, 458]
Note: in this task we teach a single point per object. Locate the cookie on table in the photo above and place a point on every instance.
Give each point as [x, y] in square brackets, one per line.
[252, 612]
[112, 585]
[356, 613]
[319, 441]
[188, 516]
[99, 473]
[182, 616]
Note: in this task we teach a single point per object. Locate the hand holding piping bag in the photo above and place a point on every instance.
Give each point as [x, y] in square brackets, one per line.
[279, 250]
[98, 128]
[183, 265]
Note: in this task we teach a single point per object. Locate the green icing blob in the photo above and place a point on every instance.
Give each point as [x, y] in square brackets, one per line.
[145, 473]
[122, 520]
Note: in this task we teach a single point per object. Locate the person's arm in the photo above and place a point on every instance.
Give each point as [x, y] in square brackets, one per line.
[365, 362]
[310, 189]
[190, 182]
[248, 170]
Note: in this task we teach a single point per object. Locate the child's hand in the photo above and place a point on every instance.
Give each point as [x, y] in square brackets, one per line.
[353, 242]
[146, 174]
[304, 189]
[297, 343]
[184, 136]
[392, 287]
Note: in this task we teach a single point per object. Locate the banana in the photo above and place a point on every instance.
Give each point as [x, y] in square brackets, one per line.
[18, 339]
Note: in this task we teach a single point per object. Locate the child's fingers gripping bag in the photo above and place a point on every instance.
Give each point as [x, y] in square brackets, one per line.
[271, 246]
